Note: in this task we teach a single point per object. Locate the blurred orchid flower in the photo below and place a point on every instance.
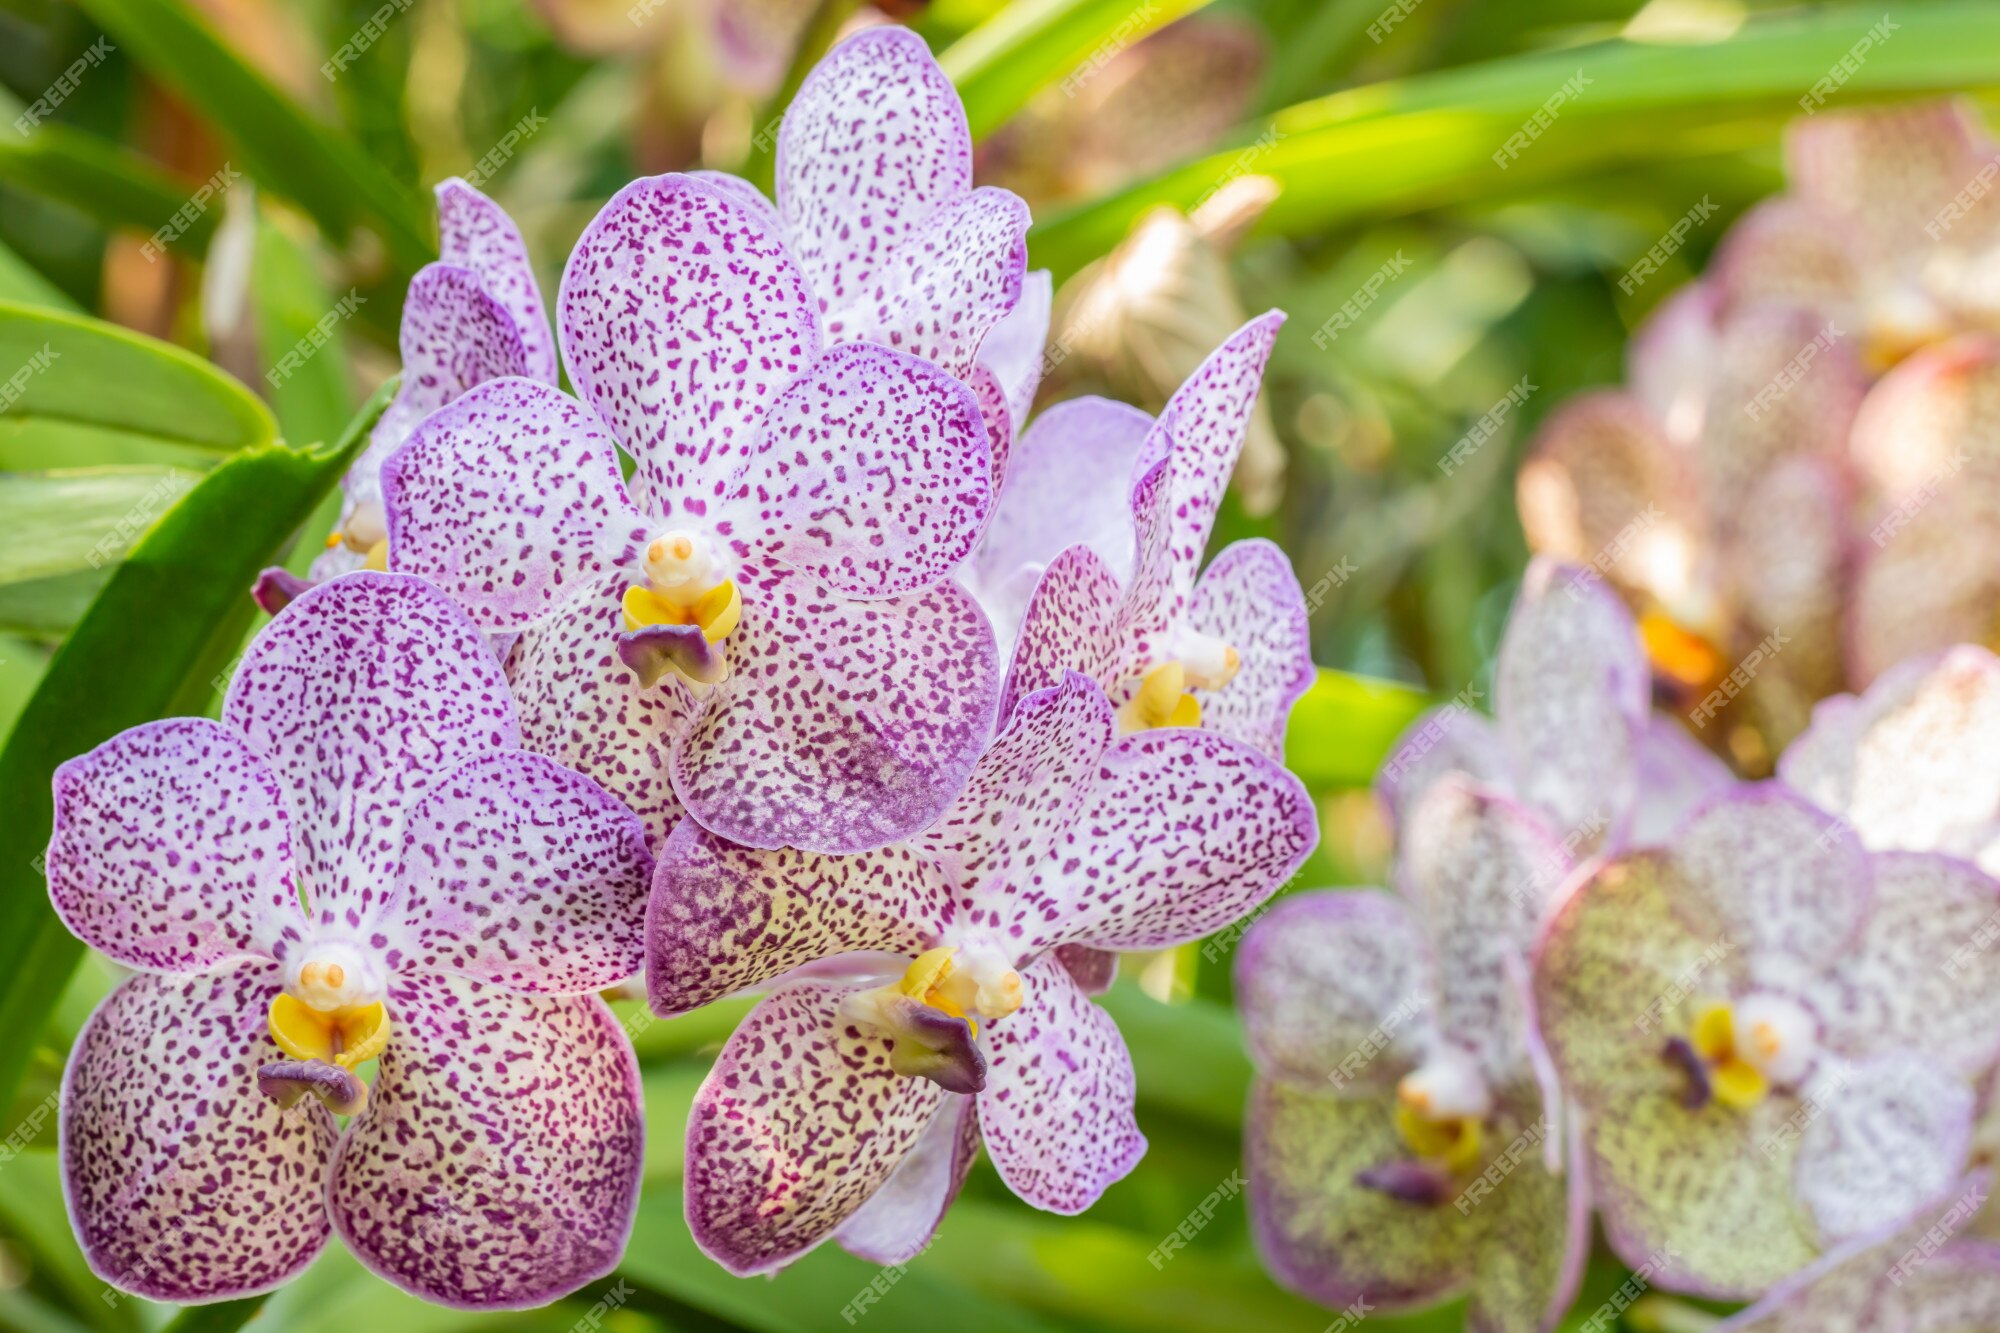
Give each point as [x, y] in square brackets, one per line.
[918, 1004]
[1402, 1145]
[1771, 1035]
[357, 862]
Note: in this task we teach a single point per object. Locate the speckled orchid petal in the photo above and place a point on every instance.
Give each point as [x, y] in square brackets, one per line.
[1013, 351]
[746, 196]
[1571, 665]
[895, 1225]
[184, 1182]
[1957, 1290]
[476, 233]
[497, 1163]
[1886, 170]
[1885, 1135]
[1789, 251]
[843, 725]
[1918, 978]
[583, 707]
[1073, 622]
[1676, 776]
[1093, 970]
[356, 695]
[1480, 869]
[1183, 832]
[1537, 1238]
[1906, 762]
[725, 918]
[1323, 1234]
[1056, 1113]
[1789, 570]
[1451, 739]
[1670, 359]
[994, 416]
[523, 874]
[1338, 990]
[796, 1127]
[682, 319]
[171, 852]
[508, 499]
[1928, 426]
[1250, 599]
[871, 474]
[873, 146]
[1928, 579]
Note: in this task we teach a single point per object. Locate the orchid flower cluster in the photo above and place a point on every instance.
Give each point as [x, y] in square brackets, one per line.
[769, 659]
[1799, 470]
[1749, 1025]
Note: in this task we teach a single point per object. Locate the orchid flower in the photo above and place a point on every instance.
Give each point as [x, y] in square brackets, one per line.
[474, 315]
[918, 1003]
[1771, 1035]
[1402, 1146]
[1114, 567]
[357, 863]
[1917, 1275]
[757, 631]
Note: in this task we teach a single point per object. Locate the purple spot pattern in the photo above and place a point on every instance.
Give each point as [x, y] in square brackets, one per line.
[507, 499]
[184, 1181]
[1057, 1110]
[170, 851]
[897, 1222]
[1072, 624]
[497, 1163]
[476, 233]
[1250, 598]
[800, 1121]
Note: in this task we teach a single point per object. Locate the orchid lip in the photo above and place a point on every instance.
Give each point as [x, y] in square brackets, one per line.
[676, 621]
[286, 1081]
[933, 1011]
[1422, 1184]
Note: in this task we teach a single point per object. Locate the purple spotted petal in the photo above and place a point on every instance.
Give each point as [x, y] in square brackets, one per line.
[682, 320]
[584, 708]
[170, 851]
[507, 499]
[797, 1126]
[520, 873]
[1956, 1289]
[725, 918]
[475, 232]
[1787, 250]
[843, 725]
[356, 696]
[184, 1182]
[1337, 990]
[872, 474]
[1453, 739]
[1249, 598]
[1537, 1240]
[1013, 351]
[896, 1224]
[1093, 970]
[497, 1165]
[1571, 693]
[745, 196]
[1887, 1135]
[1057, 1110]
[1072, 623]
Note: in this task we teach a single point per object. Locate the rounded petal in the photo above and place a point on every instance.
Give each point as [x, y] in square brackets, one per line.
[497, 1163]
[475, 232]
[1056, 1113]
[1013, 351]
[1249, 598]
[1929, 425]
[170, 851]
[843, 725]
[1337, 990]
[1787, 250]
[1790, 574]
[1955, 1290]
[682, 320]
[895, 1225]
[1886, 170]
[872, 474]
[507, 499]
[1536, 1241]
[1886, 1136]
[523, 874]
[184, 1181]
[745, 195]
[356, 694]
[725, 918]
[1928, 579]
[1670, 359]
[795, 1128]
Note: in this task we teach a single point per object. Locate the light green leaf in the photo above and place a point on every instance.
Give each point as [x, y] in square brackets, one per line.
[1345, 726]
[109, 183]
[21, 281]
[83, 518]
[289, 297]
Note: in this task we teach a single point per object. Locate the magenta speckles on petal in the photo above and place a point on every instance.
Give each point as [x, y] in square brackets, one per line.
[475, 232]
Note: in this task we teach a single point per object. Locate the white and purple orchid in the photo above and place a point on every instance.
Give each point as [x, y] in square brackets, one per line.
[919, 1006]
[359, 862]
[1403, 1143]
[1772, 1035]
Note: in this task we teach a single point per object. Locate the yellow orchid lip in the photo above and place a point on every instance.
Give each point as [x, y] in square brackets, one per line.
[1162, 700]
[345, 1037]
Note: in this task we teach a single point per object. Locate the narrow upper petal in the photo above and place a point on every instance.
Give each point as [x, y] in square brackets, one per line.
[1056, 1113]
[895, 1225]
[1887, 1135]
[184, 1181]
[508, 499]
[1250, 599]
[797, 1125]
[171, 852]
[1072, 623]
[356, 695]
[475, 232]
[521, 873]
[844, 725]
[1452, 739]
[682, 320]
[497, 1163]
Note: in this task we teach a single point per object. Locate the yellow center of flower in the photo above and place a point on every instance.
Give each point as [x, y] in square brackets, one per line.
[1163, 698]
[684, 585]
[1734, 1080]
[345, 1037]
[962, 992]
[366, 533]
[1441, 1110]
[1688, 659]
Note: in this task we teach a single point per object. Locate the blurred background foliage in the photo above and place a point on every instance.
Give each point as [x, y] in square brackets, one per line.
[1188, 163]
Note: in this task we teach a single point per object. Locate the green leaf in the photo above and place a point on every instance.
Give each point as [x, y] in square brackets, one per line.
[315, 400]
[1345, 726]
[1031, 44]
[279, 144]
[152, 645]
[111, 184]
[80, 391]
[1395, 147]
[20, 281]
[59, 522]
[222, 1317]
